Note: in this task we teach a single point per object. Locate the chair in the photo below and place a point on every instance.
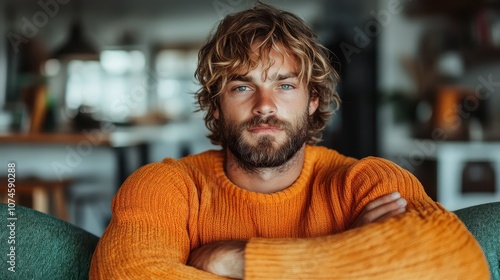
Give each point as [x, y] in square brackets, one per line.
[42, 194]
[45, 247]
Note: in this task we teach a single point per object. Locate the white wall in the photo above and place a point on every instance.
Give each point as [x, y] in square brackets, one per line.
[399, 38]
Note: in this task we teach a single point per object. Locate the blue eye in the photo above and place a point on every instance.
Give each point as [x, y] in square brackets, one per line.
[286, 87]
[241, 88]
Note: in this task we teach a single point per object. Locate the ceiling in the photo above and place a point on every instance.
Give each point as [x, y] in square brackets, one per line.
[160, 7]
[150, 20]
[161, 21]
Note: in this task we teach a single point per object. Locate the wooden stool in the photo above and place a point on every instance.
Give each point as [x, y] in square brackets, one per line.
[41, 192]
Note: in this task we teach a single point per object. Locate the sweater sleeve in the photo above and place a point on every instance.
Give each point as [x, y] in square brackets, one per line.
[427, 242]
[148, 236]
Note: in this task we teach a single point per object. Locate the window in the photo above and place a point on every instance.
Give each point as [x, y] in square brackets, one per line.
[115, 88]
[176, 83]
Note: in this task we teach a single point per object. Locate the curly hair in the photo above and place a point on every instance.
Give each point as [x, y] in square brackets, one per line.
[229, 50]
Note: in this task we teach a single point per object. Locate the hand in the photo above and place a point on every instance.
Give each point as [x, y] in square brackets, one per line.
[225, 258]
[381, 209]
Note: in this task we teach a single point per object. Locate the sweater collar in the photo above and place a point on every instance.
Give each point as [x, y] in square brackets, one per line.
[296, 188]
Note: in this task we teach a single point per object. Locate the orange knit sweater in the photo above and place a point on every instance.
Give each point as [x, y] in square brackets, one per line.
[165, 210]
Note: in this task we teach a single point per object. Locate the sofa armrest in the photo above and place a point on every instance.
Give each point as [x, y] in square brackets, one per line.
[483, 221]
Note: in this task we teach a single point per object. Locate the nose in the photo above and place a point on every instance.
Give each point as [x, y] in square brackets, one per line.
[264, 104]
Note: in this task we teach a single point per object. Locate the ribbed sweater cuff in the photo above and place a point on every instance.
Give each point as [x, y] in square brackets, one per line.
[261, 254]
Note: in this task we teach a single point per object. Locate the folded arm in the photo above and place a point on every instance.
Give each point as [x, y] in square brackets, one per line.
[227, 258]
[147, 236]
[425, 242]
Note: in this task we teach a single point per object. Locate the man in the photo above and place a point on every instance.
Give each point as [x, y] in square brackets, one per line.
[270, 205]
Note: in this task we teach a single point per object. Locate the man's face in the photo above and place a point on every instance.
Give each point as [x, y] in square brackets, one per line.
[264, 113]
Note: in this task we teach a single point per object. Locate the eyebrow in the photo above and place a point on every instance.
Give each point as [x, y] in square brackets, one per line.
[280, 77]
[241, 78]
[284, 76]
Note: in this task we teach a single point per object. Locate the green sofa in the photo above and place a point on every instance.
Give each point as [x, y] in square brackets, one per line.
[45, 247]
[484, 223]
[48, 248]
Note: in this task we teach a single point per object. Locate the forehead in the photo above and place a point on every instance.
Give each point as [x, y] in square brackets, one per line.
[270, 62]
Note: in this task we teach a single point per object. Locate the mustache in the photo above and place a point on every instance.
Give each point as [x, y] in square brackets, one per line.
[270, 121]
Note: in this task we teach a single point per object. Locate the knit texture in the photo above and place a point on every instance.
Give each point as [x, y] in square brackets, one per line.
[165, 210]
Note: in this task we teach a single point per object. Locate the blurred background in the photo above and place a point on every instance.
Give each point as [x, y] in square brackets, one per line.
[91, 90]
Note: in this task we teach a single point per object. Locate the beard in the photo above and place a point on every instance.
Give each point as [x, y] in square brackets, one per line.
[266, 151]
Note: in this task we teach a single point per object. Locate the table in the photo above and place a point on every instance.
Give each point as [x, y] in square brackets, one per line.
[117, 138]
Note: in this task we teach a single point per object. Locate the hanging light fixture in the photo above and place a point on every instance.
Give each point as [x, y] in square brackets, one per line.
[77, 46]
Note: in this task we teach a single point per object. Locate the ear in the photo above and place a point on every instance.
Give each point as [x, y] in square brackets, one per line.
[313, 104]
[216, 113]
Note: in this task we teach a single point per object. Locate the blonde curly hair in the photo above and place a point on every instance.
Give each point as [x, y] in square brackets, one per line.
[229, 50]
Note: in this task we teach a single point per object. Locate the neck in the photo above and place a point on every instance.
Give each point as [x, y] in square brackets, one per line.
[265, 180]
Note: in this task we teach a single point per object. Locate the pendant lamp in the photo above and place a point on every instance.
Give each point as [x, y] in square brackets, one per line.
[77, 46]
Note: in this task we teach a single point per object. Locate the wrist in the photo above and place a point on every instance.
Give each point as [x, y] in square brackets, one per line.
[230, 261]
[225, 258]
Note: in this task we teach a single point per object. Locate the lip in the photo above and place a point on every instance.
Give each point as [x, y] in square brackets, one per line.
[264, 129]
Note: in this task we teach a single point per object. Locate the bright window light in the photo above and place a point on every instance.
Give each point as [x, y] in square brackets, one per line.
[52, 67]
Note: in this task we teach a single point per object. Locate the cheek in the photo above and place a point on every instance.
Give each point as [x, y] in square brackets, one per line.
[235, 111]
